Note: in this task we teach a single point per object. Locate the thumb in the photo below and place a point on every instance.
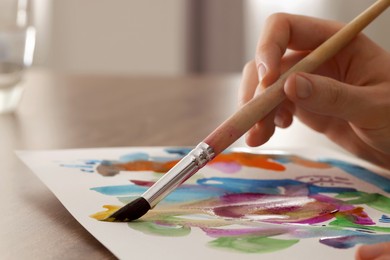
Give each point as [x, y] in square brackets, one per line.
[325, 96]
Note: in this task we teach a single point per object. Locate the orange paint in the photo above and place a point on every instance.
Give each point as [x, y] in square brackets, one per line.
[249, 160]
[309, 164]
[161, 167]
[244, 159]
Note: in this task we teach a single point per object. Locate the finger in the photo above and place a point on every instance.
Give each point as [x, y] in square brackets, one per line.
[342, 133]
[284, 115]
[293, 32]
[326, 96]
[262, 131]
[376, 251]
[248, 84]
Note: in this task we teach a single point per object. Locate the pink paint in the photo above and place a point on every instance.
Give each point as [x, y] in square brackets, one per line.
[142, 183]
[226, 167]
[273, 208]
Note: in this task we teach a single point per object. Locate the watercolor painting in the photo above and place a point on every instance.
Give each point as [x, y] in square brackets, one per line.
[242, 204]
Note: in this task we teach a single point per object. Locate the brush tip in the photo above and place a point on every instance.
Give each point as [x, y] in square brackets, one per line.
[131, 211]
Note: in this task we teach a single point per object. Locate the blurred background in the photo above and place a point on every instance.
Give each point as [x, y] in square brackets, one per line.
[170, 37]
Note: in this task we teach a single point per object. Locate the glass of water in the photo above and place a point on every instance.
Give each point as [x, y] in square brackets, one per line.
[17, 42]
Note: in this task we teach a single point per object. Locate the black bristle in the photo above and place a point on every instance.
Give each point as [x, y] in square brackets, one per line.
[131, 211]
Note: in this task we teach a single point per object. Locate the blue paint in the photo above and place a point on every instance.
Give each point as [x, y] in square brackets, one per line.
[107, 162]
[236, 185]
[282, 160]
[184, 193]
[86, 170]
[144, 157]
[120, 190]
[92, 162]
[181, 151]
[384, 219]
[77, 166]
[361, 173]
[134, 157]
[345, 242]
[216, 187]
[163, 159]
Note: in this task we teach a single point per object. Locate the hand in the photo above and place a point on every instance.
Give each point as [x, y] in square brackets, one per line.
[347, 98]
[374, 252]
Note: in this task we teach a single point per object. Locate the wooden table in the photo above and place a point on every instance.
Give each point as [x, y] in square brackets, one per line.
[78, 111]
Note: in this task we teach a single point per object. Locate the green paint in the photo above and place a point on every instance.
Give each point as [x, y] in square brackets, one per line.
[345, 222]
[373, 200]
[252, 244]
[160, 230]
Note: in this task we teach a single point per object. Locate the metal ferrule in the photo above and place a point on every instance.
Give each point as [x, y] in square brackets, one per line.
[183, 170]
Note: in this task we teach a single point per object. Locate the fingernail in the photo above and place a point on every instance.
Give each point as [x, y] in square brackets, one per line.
[303, 87]
[261, 70]
[371, 251]
[279, 120]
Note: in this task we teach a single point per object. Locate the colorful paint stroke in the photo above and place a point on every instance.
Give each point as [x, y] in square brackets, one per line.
[259, 212]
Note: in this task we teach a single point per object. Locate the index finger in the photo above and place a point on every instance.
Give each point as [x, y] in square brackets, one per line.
[286, 31]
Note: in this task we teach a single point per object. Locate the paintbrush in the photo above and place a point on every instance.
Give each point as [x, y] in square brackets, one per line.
[242, 120]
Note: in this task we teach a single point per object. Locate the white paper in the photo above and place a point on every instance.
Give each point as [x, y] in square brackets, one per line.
[73, 177]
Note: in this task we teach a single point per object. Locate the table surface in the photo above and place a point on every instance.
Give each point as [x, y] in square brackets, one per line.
[60, 111]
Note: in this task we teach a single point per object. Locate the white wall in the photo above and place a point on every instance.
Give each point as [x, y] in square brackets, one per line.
[106, 36]
[151, 36]
[341, 10]
[41, 19]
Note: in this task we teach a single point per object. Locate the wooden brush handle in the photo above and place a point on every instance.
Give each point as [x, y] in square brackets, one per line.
[260, 106]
